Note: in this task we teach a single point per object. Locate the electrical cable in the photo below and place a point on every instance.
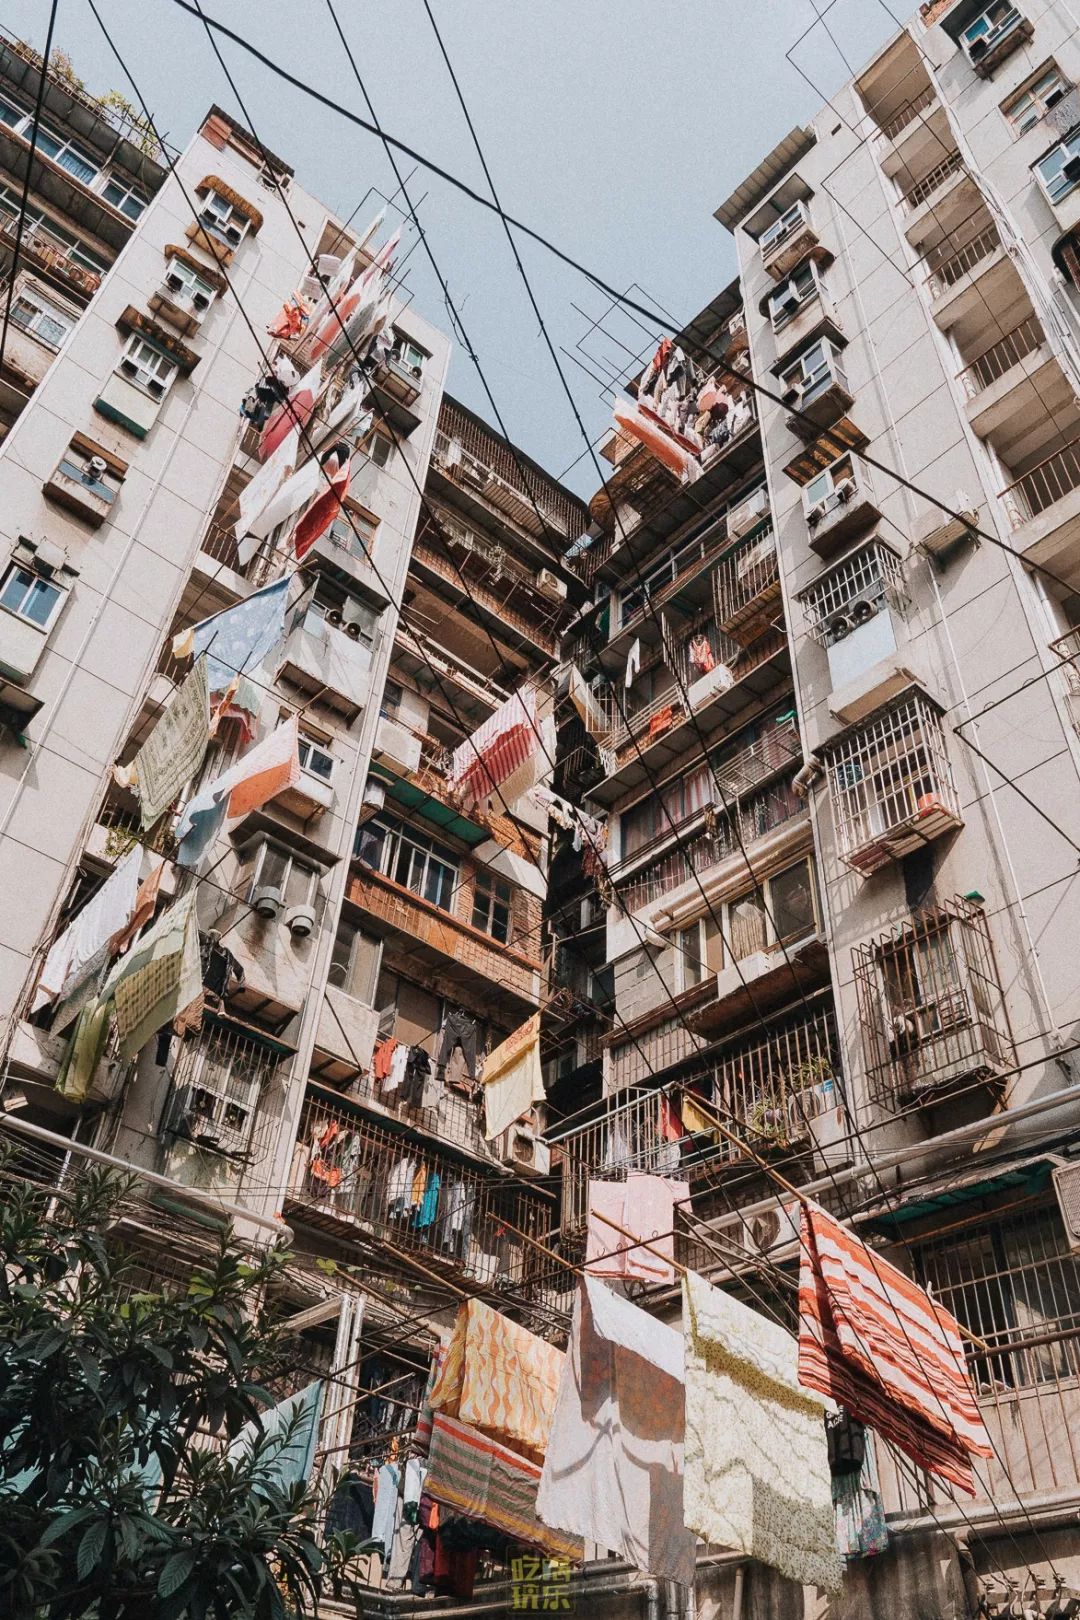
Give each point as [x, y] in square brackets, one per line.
[35, 125]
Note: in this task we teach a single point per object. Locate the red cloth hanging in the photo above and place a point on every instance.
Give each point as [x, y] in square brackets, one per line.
[326, 505]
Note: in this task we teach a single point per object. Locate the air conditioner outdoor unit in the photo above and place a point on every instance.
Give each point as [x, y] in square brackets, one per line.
[300, 921]
[839, 625]
[747, 513]
[1066, 1179]
[174, 283]
[864, 608]
[550, 585]
[792, 396]
[268, 902]
[815, 514]
[845, 489]
[791, 303]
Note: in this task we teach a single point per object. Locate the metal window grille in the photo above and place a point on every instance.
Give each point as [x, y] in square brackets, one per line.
[932, 182]
[867, 579]
[931, 1010]
[746, 583]
[626, 1136]
[775, 1085]
[219, 1080]
[892, 785]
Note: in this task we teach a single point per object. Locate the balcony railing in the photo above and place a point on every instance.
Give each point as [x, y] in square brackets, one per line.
[926, 187]
[930, 1005]
[899, 122]
[505, 478]
[537, 623]
[746, 584]
[627, 1136]
[953, 267]
[369, 1184]
[1014, 1283]
[1000, 357]
[39, 245]
[1039, 488]
[757, 814]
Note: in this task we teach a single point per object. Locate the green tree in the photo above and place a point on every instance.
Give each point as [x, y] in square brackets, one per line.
[114, 1503]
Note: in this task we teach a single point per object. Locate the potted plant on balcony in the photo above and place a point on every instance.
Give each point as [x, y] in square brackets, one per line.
[815, 1110]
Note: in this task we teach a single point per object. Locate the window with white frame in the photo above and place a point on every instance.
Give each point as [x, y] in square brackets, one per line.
[409, 354]
[181, 278]
[699, 952]
[999, 19]
[69, 155]
[378, 447]
[787, 224]
[43, 317]
[1059, 170]
[278, 868]
[816, 369]
[410, 858]
[1033, 102]
[354, 961]
[223, 220]
[148, 367]
[792, 295]
[315, 758]
[124, 195]
[30, 596]
[831, 488]
[39, 222]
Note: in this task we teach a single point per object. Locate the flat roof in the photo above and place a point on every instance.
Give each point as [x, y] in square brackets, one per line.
[769, 172]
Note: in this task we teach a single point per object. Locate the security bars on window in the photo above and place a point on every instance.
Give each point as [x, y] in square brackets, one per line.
[866, 580]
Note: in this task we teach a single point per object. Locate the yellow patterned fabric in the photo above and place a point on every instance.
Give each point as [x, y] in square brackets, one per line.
[499, 1377]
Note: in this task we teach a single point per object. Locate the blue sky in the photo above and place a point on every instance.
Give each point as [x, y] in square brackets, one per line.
[615, 127]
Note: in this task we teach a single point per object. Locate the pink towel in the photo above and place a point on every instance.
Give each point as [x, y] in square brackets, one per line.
[644, 1206]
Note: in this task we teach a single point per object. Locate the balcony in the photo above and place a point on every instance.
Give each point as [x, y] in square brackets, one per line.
[1045, 496]
[791, 240]
[996, 382]
[892, 785]
[396, 389]
[372, 1186]
[454, 951]
[490, 472]
[50, 254]
[938, 201]
[1067, 648]
[993, 38]
[839, 505]
[746, 588]
[500, 589]
[815, 390]
[964, 281]
[911, 138]
[663, 730]
[329, 665]
[931, 1013]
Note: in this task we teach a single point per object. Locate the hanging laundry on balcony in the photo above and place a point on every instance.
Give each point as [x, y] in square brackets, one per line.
[702, 657]
[498, 748]
[661, 720]
[499, 1376]
[295, 411]
[260, 401]
[174, 750]
[677, 454]
[350, 314]
[266, 770]
[160, 976]
[84, 1051]
[237, 640]
[644, 1206]
[458, 1032]
[756, 1460]
[283, 1441]
[513, 1081]
[861, 1528]
[486, 1480]
[593, 717]
[613, 1470]
[633, 664]
[291, 319]
[875, 1342]
[334, 471]
[88, 940]
[258, 498]
[347, 419]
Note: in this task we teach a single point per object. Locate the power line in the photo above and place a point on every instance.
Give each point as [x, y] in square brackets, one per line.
[35, 126]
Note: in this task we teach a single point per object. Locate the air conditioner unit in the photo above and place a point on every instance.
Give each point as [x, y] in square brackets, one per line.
[156, 388]
[815, 514]
[174, 283]
[201, 301]
[839, 625]
[268, 902]
[374, 799]
[792, 396]
[1066, 1179]
[1071, 170]
[791, 303]
[978, 48]
[300, 921]
[844, 490]
[864, 608]
[747, 513]
[550, 585]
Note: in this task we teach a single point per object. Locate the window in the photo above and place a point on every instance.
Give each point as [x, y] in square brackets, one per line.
[792, 902]
[69, 155]
[799, 288]
[391, 700]
[147, 367]
[1059, 170]
[315, 759]
[354, 530]
[409, 354]
[491, 906]
[181, 278]
[277, 868]
[30, 596]
[354, 961]
[816, 369]
[782, 228]
[699, 952]
[44, 225]
[124, 196]
[49, 322]
[1025, 110]
[675, 803]
[410, 858]
[998, 19]
[378, 447]
[222, 220]
[830, 488]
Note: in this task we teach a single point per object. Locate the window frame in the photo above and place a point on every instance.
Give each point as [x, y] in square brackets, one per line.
[347, 971]
[777, 232]
[312, 745]
[1031, 94]
[973, 31]
[145, 374]
[66, 147]
[128, 189]
[293, 865]
[223, 1077]
[411, 859]
[34, 580]
[828, 499]
[778, 317]
[493, 895]
[193, 284]
[812, 383]
[223, 217]
[50, 308]
[403, 342]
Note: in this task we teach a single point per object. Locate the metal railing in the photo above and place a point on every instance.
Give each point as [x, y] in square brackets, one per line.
[925, 188]
[899, 122]
[1044, 484]
[746, 580]
[39, 244]
[558, 508]
[1000, 357]
[955, 266]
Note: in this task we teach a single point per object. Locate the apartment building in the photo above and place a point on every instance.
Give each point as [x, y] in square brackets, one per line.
[94, 169]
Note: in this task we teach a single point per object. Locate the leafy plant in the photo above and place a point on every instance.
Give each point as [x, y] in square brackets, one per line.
[119, 1499]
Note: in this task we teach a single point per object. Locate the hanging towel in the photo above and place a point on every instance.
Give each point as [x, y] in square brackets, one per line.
[613, 1470]
[296, 411]
[257, 499]
[756, 1458]
[678, 456]
[500, 1377]
[84, 1051]
[160, 976]
[633, 664]
[486, 1480]
[513, 1080]
[330, 493]
[873, 1341]
[238, 639]
[283, 1440]
[98, 927]
[588, 705]
[387, 1506]
[497, 748]
[175, 749]
[644, 1206]
[259, 775]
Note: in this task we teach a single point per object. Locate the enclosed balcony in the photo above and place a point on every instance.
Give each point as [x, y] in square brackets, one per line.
[855, 611]
[931, 1011]
[374, 1188]
[789, 240]
[746, 587]
[324, 661]
[815, 389]
[892, 786]
[839, 504]
[988, 34]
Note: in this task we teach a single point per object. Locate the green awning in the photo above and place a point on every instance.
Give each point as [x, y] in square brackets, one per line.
[433, 810]
[1031, 1177]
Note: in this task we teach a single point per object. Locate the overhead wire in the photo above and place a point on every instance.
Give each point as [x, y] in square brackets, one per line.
[24, 200]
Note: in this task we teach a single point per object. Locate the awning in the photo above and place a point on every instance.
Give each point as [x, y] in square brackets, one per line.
[1029, 1176]
[434, 810]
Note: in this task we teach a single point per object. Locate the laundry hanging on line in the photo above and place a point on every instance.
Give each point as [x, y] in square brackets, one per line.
[174, 751]
[500, 1377]
[643, 1206]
